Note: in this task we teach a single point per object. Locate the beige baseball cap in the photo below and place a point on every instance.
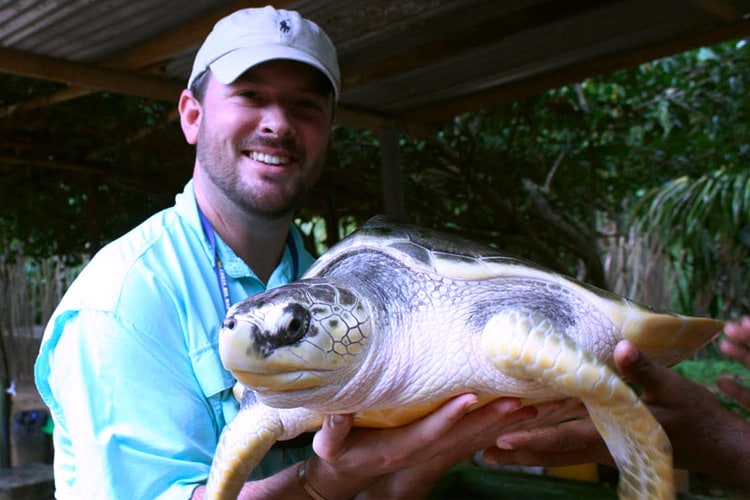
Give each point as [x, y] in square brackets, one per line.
[252, 36]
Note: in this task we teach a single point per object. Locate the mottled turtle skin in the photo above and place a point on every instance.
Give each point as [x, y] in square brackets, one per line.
[396, 319]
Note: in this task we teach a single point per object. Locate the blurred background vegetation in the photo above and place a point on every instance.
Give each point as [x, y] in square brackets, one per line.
[637, 181]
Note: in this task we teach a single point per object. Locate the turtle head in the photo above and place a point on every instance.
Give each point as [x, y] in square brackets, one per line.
[293, 337]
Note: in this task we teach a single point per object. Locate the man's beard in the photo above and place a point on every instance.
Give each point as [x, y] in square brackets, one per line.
[222, 171]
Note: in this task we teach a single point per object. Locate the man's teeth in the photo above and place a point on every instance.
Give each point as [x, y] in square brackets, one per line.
[270, 159]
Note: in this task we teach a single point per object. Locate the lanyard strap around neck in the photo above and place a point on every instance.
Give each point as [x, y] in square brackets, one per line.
[221, 275]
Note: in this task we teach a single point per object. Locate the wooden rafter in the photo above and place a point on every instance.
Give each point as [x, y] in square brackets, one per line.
[541, 82]
[147, 53]
[723, 9]
[86, 75]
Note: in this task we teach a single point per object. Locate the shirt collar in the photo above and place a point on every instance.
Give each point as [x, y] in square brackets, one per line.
[187, 206]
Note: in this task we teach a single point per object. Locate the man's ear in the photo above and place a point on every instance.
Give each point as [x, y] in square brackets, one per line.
[191, 113]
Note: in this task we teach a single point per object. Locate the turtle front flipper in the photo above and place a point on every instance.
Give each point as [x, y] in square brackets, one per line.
[246, 440]
[526, 345]
[242, 445]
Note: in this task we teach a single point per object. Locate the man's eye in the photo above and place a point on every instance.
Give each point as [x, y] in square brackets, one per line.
[252, 95]
[310, 104]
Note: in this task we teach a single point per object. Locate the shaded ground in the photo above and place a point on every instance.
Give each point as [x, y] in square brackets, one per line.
[27, 398]
[470, 482]
[28, 415]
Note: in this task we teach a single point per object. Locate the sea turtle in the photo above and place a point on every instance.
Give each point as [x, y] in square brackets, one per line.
[395, 319]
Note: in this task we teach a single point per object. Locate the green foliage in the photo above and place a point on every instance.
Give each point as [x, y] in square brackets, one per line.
[704, 222]
[65, 218]
[554, 177]
[467, 480]
[705, 371]
[79, 173]
[540, 177]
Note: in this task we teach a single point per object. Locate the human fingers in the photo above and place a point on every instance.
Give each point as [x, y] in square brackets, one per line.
[565, 444]
[345, 449]
[568, 436]
[559, 411]
[478, 429]
[735, 348]
[330, 440]
[670, 396]
[656, 381]
[739, 329]
[499, 414]
[424, 437]
[323, 470]
[471, 433]
[509, 420]
[731, 385]
[358, 458]
[736, 341]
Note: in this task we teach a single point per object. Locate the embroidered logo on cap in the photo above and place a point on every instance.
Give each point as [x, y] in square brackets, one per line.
[285, 26]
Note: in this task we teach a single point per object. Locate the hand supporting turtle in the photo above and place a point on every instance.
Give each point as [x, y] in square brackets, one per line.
[406, 461]
[705, 436]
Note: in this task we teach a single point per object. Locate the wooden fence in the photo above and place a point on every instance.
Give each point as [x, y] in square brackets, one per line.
[29, 293]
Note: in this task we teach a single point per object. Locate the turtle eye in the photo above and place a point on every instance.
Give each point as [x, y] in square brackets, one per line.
[229, 323]
[296, 324]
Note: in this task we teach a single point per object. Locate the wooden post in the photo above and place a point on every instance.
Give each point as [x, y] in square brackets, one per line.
[392, 183]
[5, 404]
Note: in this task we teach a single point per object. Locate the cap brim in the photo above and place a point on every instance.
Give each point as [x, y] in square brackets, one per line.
[231, 66]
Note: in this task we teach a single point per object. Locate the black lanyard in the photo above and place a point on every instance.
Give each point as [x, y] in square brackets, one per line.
[221, 275]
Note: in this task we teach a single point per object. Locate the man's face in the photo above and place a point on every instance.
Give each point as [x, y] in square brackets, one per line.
[262, 139]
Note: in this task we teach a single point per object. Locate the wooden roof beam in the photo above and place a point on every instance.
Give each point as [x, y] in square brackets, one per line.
[723, 9]
[142, 55]
[87, 76]
[538, 83]
[453, 45]
[179, 38]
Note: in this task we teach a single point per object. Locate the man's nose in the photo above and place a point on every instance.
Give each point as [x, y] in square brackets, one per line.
[276, 121]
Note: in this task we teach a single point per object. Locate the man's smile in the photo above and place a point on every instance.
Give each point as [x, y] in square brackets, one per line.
[269, 159]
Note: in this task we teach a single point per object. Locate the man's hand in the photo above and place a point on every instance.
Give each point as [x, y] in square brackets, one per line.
[406, 461]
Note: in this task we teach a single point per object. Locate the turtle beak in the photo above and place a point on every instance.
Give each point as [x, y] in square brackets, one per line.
[248, 341]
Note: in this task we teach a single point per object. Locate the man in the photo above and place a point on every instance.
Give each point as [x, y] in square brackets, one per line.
[129, 364]
[705, 436]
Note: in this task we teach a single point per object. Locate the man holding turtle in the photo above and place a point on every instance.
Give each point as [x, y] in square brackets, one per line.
[129, 364]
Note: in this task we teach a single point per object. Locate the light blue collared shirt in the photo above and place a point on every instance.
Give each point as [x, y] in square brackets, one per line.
[129, 363]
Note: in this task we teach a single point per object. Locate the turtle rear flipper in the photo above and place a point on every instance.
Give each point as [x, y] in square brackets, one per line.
[525, 345]
[669, 338]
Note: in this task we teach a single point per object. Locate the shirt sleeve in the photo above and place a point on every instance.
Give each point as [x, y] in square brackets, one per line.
[131, 420]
